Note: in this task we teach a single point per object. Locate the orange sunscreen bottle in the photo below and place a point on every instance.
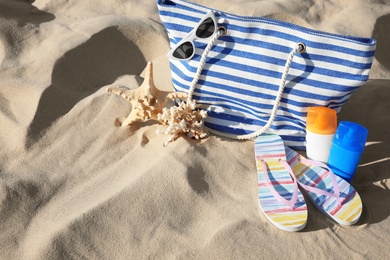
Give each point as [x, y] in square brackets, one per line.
[321, 125]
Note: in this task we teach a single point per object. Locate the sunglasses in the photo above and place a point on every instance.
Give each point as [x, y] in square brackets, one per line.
[185, 49]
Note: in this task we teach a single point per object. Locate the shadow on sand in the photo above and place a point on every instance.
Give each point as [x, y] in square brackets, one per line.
[82, 71]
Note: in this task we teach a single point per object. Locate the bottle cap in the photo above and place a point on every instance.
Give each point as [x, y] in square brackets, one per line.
[351, 136]
[321, 120]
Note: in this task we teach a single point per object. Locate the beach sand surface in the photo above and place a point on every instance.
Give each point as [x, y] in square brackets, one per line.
[75, 185]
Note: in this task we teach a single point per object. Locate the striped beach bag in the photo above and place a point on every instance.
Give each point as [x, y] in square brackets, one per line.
[257, 75]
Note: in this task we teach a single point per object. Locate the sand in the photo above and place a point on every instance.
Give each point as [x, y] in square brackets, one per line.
[74, 185]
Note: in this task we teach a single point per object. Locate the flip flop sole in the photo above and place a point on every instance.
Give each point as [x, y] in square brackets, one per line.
[270, 148]
[348, 211]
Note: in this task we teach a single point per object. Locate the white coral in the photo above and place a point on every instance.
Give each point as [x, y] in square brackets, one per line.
[185, 118]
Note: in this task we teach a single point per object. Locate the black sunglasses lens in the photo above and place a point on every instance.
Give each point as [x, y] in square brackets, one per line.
[206, 29]
[184, 51]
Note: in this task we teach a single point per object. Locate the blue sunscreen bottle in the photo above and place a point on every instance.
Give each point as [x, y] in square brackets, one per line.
[347, 148]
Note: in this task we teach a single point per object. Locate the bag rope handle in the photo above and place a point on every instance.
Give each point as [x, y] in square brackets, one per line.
[299, 47]
[202, 61]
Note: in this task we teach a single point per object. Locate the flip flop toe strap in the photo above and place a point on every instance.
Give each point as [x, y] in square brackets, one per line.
[336, 188]
[290, 203]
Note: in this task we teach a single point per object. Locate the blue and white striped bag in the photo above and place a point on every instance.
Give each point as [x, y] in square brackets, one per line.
[257, 69]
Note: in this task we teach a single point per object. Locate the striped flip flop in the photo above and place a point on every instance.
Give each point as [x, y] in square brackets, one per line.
[332, 195]
[279, 197]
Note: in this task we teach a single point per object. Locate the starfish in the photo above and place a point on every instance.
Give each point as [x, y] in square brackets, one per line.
[147, 101]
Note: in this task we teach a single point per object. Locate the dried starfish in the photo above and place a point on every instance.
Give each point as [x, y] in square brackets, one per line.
[147, 101]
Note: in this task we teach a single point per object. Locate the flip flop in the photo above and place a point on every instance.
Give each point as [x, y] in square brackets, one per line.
[331, 194]
[279, 197]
